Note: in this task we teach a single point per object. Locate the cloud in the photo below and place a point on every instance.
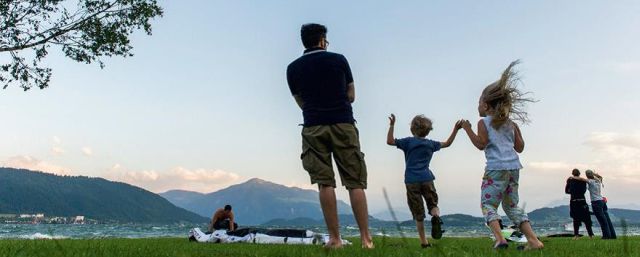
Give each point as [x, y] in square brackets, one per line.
[554, 167]
[625, 67]
[31, 163]
[616, 154]
[87, 151]
[56, 140]
[199, 180]
[57, 151]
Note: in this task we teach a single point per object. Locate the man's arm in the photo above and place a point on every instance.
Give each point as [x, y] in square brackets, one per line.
[478, 140]
[566, 188]
[579, 178]
[298, 101]
[351, 92]
[232, 226]
[213, 221]
[392, 122]
[452, 137]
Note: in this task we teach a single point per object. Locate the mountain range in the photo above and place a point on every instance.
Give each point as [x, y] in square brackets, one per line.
[28, 192]
[255, 202]
[260, 202]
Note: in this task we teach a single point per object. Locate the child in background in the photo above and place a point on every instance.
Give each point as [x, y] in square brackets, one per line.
[501, 139]
[418, 178]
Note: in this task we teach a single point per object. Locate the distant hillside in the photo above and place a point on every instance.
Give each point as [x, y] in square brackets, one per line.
[24, 191]
[560, 215]
[255, 202]
[455, 220]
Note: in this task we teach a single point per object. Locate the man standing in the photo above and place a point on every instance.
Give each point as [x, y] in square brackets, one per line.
[223, 218]
[322, 86]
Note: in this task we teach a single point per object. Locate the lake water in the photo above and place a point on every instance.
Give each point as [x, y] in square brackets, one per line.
[97, 231]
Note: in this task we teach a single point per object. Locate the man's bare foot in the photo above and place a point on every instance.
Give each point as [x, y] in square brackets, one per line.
[367, 245]
[333, 244]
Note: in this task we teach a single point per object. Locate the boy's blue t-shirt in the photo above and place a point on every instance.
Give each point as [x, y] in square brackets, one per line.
[417, 156]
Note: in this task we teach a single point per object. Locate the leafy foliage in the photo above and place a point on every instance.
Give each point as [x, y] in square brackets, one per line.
[85, 31]
[23, 191]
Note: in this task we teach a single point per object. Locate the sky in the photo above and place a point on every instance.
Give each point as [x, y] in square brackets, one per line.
[204, 102]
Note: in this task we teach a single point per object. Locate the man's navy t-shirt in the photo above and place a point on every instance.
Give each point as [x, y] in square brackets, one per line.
[320, 79]
[417, 156]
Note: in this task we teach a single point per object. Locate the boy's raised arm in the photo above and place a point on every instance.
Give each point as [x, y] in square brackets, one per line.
[392, 122]
[452, 136]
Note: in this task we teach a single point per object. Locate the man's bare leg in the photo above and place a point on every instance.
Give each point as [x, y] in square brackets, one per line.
[361, 213]
[330, 212]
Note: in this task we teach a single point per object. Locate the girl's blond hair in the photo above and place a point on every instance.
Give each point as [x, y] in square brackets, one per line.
[507, 102]
[421, 126]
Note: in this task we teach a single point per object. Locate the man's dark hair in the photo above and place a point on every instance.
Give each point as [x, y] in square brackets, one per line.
[227, 207]
[312, 33]
[575, 172]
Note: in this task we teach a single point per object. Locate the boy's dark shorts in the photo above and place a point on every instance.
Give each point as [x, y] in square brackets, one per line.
[319, 143]
[415, 193]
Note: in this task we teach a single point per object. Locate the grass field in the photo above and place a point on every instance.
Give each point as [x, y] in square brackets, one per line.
[476, 247]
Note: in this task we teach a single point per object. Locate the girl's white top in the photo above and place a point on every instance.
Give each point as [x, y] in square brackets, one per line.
[499, 151]
[595, 190]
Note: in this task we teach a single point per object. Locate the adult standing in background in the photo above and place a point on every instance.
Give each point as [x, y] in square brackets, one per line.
[322, 85]
[598, 204]
[578, 207]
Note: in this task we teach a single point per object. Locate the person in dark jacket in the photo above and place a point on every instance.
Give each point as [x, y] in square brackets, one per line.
[578, 208]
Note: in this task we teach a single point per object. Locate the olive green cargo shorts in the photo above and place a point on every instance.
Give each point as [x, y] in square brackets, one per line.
[341, 141]
[415, 193]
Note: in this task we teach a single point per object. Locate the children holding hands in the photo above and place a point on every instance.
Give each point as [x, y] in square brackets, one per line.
[418, 177]
[501, 140]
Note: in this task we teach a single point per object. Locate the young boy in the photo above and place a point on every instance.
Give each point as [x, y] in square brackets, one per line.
[418, 178]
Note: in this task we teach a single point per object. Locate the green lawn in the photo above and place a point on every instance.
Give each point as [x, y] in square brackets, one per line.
[384, 247]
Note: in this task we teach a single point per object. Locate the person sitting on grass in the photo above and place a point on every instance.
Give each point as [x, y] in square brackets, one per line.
[223, 218]
[418, 178]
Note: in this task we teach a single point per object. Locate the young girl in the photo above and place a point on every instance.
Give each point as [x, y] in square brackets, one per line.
[500, 138]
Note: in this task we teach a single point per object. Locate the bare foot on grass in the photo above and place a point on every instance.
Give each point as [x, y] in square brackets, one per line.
[536, 245]
[333, 245]
[367, 245]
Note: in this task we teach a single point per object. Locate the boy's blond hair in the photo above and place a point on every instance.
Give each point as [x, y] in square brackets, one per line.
[421, 126]
[505, 99]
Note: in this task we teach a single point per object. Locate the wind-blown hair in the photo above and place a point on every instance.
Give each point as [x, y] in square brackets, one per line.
[504, 98]
[421, 126]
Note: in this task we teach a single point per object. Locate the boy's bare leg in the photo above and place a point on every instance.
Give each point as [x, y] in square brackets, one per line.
[330, 212]
[423, 238]
[532, 240]
[497, 232]
[359, 206]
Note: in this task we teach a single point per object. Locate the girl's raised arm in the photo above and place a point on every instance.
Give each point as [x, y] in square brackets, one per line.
[479, 140]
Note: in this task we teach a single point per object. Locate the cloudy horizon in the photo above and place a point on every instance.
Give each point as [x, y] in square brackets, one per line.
[204, 102]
